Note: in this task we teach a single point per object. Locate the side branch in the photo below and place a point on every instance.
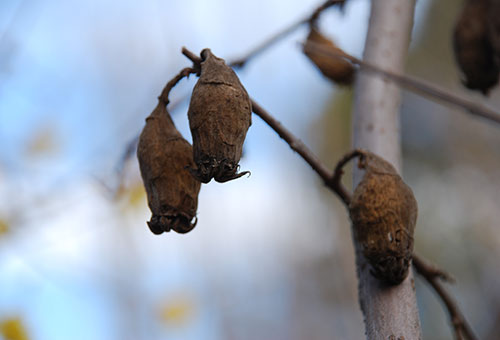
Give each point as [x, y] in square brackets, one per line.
[295, 143]
[432, 275]
[170, 85]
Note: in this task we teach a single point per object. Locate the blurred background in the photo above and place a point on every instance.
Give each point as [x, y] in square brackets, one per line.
[271, 256]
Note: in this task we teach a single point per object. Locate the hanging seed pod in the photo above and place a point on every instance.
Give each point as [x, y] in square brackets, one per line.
[171, 190]
[383, 211]
[219, 118]
[473, 48]
[494, 28]
[338, 70]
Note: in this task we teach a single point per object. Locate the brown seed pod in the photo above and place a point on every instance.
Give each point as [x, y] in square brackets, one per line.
[383, 211]
[494, 27]
[473, 48]
[338, 70]
[219, 118]
[164, 156]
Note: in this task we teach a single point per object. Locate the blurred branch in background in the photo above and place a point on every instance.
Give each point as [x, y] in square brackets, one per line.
[413, 84]
[432, 275]
[240, 62]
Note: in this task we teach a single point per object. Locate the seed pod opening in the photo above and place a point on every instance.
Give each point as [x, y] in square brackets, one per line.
[338, 70]
[164, 156]
[473, 48]
[383, 212]
[219, 117]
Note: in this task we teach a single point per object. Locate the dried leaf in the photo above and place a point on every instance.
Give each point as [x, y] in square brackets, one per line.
[383, 211]
[164, 156]
[338, 70]
[219, 118]
[473, 48]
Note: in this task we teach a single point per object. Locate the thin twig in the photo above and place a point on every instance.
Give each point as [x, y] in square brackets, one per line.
[338, 172]
[295, 143]
[414, 84]
[430, 274]
[433, 271]
[185, 72]
[132, 144]
[240, 62]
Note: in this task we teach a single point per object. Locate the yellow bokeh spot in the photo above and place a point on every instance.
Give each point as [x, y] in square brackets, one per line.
[43, 142]
[131, 196]
[137, 195]
[4, 227]
[13, 329]
[178, 311]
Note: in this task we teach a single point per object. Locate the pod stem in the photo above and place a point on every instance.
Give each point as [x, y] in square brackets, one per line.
[185, 72]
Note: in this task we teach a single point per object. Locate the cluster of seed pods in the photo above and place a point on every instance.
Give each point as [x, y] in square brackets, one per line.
[383, 209]
[172, 170]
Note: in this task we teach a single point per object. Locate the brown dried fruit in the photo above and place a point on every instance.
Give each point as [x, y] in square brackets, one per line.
[219, 118]
[494, 27]
[164, 156]
[383, 211]
[338, 70]
[473, 48]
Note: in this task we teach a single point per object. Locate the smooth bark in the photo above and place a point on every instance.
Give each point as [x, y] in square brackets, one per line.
[390, 312]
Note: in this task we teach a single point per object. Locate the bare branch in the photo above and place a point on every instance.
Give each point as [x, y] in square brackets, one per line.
[432, 276]
[295, 143]
[170, 85]
[413, 84]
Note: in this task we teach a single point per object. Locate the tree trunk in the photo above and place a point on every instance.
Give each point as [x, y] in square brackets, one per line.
[390, 312]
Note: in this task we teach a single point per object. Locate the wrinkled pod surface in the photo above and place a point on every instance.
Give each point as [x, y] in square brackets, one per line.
[164, 156]
[219, 117]
[383, 212]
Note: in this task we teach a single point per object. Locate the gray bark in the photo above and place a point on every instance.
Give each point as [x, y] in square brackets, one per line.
[389, 312]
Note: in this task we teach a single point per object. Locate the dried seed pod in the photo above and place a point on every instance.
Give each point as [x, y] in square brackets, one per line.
[164, 156]
[383, 211]
[473, 48]
[219, 118]
[494, 27]
[338, 70]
